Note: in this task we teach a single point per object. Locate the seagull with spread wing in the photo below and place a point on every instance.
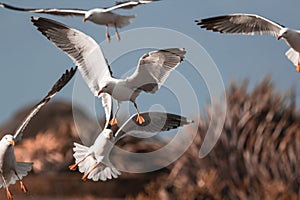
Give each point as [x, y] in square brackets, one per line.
[250, 24]
[94, 161]
[152, 70]
[101, 16]
[10, 169]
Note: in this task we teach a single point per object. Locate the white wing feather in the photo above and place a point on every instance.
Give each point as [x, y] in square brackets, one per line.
[154, 68]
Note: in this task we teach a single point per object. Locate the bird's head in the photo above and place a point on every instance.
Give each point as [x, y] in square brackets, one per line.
[93, 15]
[108, 87]
[8, 139]
[282, 33]
[108, 134]
[88, 16]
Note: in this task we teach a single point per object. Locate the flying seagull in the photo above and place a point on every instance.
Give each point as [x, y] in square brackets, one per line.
[152, 70]
[94, 161]
[250, 24]
[101, 16]
[10, 170]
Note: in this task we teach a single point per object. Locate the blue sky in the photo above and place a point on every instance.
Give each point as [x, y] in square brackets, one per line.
[30, 64]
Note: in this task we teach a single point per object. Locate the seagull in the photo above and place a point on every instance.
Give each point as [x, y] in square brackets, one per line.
[101, 16]
[250, 24]
[10, 169]
[94, 161]
[152, 70]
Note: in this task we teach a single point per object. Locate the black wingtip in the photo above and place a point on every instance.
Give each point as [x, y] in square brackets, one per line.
[62, 81]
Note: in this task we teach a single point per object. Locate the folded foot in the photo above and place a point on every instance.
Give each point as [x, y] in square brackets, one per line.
[73, 167]
[113, 121]
[118, 36]
[140, 119]
[8, 194]
[23, 187]
[84, 177]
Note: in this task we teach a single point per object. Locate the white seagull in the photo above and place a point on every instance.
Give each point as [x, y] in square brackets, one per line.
[94, 161]
[152, 70]
[10, 170]
[101, 16]
[250, 24]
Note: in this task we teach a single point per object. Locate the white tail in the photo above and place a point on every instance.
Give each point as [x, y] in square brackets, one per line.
[293, 56]
[22, 169]
[88, 161]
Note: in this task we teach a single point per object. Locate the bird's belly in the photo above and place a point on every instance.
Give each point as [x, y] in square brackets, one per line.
[122, 93]
[108, 18]
[295, 44]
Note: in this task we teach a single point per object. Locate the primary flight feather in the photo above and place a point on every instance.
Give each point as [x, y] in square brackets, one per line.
[250, 24]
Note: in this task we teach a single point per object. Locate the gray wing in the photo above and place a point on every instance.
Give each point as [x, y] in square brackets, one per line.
[85, 53]
[241, 24]
[81, 48]
[126, 5]
[51, 11]
[154, 68]
[154, 122]
[64, 79]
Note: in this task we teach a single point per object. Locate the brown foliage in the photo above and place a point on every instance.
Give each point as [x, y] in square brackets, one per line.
[256, 157]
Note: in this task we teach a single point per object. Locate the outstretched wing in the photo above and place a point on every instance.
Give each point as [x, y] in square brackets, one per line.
[51, 11]
[126, 5]
[81, 48]
[154, 122]
[64, 79]
[84, 51]
[241, 24]
[154, 68]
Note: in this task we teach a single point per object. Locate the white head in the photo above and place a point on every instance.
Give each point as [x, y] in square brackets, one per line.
[107, 88]
[8, 140]
[108, 134]
[91, 15]
[282, 33]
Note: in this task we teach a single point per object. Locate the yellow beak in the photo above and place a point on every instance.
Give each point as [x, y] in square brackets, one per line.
[12, 143]
[107, 137]
[100, 92]
[279, 37]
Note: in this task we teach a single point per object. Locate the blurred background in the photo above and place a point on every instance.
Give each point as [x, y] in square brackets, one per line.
[257, 155]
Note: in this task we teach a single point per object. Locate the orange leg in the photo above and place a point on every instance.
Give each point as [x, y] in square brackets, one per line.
[113, 121]
[117, 33]
[139, 118]
[23, 187]
[8, 192]
[298, 67]
[84, 177]
[74, 166]
[107, 34]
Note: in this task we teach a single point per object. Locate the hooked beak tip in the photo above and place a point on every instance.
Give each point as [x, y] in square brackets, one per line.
[279, 37]
[12, 143]
[84, 19]
[100, 92]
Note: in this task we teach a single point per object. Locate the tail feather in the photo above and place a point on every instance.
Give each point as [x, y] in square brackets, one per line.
[293, 56]
[80, 152]
[102, 172]
[22, 169]
[124, 20]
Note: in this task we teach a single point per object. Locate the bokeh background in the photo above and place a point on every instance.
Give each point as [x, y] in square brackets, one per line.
[257, 154]
[30, 64]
